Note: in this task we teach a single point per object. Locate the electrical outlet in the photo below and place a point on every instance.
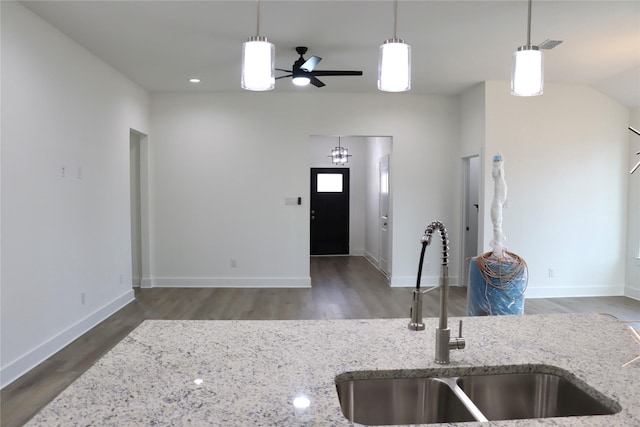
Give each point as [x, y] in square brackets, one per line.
[552, 273]
[121, 278]
[83, 298]
[63, 171]
[234, 264]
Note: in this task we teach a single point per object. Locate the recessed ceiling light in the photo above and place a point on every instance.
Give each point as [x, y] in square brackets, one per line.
[194, 80]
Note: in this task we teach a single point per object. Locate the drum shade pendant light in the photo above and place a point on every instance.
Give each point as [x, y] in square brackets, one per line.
[340, 155]
[394, 61]
[257, 62]
[527, 73]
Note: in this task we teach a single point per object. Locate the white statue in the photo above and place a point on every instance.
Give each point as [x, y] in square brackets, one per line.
[499, 198]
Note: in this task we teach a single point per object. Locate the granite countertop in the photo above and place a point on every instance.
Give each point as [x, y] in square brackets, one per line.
[249, 372]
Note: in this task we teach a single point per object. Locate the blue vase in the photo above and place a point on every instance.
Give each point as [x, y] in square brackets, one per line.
[497, 287]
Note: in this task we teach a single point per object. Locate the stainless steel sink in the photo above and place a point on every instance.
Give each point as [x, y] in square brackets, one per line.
[529, 395]
[381, 398]
[400, 401]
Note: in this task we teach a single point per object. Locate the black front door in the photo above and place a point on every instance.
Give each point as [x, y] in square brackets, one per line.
[329, 211]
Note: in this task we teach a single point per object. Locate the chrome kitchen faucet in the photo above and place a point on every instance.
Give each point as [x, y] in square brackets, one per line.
[444, 342]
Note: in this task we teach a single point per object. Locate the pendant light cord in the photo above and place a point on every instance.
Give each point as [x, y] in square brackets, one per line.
[258, 20]
[529, 25]
[395, 18]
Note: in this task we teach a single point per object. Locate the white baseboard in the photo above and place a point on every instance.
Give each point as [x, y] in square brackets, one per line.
[632, 292]
[427, 281]
[575, 291]
[33, 358]
[229, 282]
[371, 258]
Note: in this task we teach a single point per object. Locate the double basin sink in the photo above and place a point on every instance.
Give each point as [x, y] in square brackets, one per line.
[394, 397]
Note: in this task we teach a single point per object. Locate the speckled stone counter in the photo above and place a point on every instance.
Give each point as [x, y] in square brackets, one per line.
[251, 371]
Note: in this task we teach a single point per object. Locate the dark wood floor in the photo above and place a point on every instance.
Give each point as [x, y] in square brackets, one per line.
[342, 288]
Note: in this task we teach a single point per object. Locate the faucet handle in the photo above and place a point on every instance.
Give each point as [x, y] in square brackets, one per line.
[457, 343]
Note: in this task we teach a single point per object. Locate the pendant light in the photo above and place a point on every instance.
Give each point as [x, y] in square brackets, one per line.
[527, 73]
[394, 61]
[340, 155]
[257, 62]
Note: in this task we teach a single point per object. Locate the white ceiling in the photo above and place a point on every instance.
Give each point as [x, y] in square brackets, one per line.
[455, 44]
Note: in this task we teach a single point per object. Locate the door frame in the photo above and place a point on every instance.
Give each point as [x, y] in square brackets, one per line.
[142, 169]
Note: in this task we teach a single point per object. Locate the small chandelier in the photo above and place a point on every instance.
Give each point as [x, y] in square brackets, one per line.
[257, 62]
[527, 73]
[394, 61]
[340, 155]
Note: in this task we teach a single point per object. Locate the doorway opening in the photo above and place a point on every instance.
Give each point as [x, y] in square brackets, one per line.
[370, 197]
[470, 213]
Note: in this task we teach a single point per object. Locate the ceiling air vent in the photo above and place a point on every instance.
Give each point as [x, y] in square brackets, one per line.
[549, 44]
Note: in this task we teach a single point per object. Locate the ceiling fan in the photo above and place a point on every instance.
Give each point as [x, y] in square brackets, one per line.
[303, 70]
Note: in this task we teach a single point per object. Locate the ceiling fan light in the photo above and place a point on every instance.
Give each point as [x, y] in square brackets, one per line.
[258, 64]
[394, 66]
[301, 80]
[527, 75]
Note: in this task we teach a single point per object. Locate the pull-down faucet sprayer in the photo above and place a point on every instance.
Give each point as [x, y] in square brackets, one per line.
[443, 341]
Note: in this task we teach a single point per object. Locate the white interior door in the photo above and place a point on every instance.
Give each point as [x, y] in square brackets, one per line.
[384, 218]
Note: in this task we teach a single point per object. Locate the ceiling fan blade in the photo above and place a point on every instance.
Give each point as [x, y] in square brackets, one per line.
[310, 63]
[314, 81]
[282, 77]
[282, 69]
[336, 73]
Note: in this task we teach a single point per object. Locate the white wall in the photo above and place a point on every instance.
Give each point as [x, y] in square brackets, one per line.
[473, 121]
[566, 167]
[222, 165]
[61, 236]
[632, 288]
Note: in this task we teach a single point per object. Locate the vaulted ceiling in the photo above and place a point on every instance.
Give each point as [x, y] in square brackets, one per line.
[455, 44]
